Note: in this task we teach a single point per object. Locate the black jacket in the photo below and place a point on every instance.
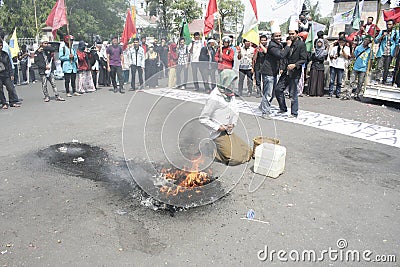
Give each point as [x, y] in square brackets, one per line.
[5, 59]
[275, 53]
[40, 59]
[204, 54]
[297, 55]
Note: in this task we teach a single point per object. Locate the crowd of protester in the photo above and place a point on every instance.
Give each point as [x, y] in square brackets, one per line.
[274, 68]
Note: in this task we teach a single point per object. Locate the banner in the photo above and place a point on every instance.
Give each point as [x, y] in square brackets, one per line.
[250, 22]
[394, 3]
[14, 47]
[278, 11]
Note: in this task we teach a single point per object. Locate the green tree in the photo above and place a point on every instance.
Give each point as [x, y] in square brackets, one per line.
[86, 17]
[231, 12]
[170, 13]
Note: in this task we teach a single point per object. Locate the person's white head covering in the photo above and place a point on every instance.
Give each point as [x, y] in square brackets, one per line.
[45, 39]
[294, 25]
[275, 28]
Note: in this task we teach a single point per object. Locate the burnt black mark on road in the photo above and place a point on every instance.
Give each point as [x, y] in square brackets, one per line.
[365, 155]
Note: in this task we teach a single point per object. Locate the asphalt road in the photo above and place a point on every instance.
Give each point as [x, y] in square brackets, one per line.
[334, 187]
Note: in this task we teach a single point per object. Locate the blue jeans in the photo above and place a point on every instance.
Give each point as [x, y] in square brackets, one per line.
[336, 74]
[269, 83]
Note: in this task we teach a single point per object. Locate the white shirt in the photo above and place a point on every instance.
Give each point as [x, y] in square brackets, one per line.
[218, 112]
[340, 62]
[197, 45]
[246, 62]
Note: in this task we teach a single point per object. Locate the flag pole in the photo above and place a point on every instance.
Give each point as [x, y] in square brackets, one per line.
[36, 22]
[378, 16]
[69, 39]
[219, 29]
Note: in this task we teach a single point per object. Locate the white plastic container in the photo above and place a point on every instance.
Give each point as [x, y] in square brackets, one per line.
[270, 160]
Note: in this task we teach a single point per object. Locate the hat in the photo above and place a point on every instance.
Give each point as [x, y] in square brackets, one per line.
[369, 37]
[67, 38]
[151, 46]
[211, 40]
[196, 34]
[275, 28]
[226, 39]
[294, 25]
[45, 39]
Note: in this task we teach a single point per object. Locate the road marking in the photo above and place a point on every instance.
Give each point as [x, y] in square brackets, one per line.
[362, 130]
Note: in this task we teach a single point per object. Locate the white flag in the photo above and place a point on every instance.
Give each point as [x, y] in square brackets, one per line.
[343, 18]
[278, 11]
[384, 1]
[394, 3]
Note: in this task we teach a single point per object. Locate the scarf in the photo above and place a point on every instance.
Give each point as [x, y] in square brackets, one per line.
[320, 51]
[227, 77]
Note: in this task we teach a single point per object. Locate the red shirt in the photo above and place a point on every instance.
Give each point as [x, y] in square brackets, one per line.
[82, 61]
[228, 56]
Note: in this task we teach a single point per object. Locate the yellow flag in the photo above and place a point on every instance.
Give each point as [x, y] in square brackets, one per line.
[14, 47]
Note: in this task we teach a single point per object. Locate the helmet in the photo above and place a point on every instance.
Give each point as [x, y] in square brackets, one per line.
[226, 39]
[67, 38]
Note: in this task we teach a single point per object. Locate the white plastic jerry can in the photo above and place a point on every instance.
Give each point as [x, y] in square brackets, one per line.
[270, 160]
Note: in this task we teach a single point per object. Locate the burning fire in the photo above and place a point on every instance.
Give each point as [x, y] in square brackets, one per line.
[186, 179]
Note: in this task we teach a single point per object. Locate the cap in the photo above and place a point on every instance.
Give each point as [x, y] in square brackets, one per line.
[67, 38]
[45, 39]
[275, 28]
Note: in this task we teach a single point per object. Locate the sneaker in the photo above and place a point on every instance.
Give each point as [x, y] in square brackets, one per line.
[69, 95]
[282, 111]
[249, 94]
[329, 96]
[122, 91]
[266, 116]
[115, 90]
[59, 98]
[291, 116]
[77, 94]
[47, 99]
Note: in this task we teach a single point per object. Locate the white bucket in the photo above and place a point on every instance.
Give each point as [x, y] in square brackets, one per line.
[270, 160]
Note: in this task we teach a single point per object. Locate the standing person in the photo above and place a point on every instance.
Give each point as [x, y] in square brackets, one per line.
[194, 50]
[6, 77]
[371, 28]
[172, 62]
[137, 63]
[362, 54]
[270, 68]
[304, 24]
[220, 115]
[208, 65]
[95, 64]
[23, 57]
[258, 61]
[85, 79]
[152, 63]
[115, 59]
[126, 67]
[104, 75]
[44, 58]
[226, 58]
[296, 57]
[164, 56]
[183, 64]
[246, 68]
[31, 59]
[388, 40]
[339, 55]
[316, 80]
[69, 65]
[143, 44]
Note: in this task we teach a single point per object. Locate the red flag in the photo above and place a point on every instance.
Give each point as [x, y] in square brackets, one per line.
[209, 20]
[393, 14]
[57, 17]
[129, 30]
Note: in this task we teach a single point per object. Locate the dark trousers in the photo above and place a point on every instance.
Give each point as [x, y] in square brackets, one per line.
[242, 75]
[208, 74]
[283, 82]
[385, 64]
[16, 74]
[179, 69]
[24, 69]
[139, 70]
[104, 77]
[195, 70]
[32, 76]
[70, 77]
[336, 74]
[12, 94]
[94, 77]
[116, 71]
